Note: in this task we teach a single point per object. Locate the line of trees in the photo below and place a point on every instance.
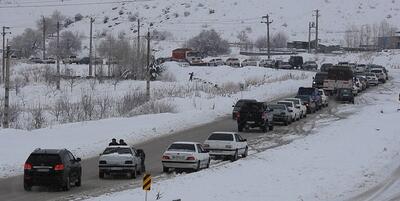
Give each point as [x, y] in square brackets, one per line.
[367, 34]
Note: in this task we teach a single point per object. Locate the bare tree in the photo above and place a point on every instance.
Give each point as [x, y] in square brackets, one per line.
[38, 118]
[261, 42]
[104, 104]
[70, 44]
[279, 40]
[210, 43]
[87, 106]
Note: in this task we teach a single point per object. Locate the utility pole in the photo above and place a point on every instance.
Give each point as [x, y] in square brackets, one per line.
[138, 60]
[109, 57]
[58, 56]
[316, 29]
[4, 51]
[91, 47]
[310, 26]
[44, 37]
[268, 22]
[148, 67]
[7, 90]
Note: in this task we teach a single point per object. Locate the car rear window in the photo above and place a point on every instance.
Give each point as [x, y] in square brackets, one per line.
[277, 107]
[288, 104]
[119, 150]
[295, 101]
[44, 159]
[221, 137]
[182, 147]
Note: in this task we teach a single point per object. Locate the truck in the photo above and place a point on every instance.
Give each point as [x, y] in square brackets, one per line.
[255, 114]
[339, 77]
[194, 58]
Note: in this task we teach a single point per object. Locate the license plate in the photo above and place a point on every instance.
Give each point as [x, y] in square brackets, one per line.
[251, 122]
[178, 157]
[42, 170]
[116, 168]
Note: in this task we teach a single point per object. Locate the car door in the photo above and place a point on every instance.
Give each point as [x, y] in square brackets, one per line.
[202, 155]
[73, 165]
[241, 146]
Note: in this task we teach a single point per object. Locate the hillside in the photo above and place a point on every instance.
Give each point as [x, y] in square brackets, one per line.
[187, 18]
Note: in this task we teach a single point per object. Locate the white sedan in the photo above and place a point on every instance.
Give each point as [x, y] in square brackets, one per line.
[295, 112]
[226, 144]
[299, 105]
[324, 98]
[185, 155]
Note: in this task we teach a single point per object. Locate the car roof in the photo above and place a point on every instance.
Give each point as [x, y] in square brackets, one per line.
[185, 143]
[219, 132]
[48, 151]
[119, 146]
[284, 102]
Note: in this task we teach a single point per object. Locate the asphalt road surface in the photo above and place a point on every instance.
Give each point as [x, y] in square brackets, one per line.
[11, 189]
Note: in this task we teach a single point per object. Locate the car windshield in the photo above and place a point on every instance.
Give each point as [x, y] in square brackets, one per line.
[304, 98]
[277, 107]
[295, 101]
[240, 103]
[44, 159]
[119, 150]
[221, 137]
[288, 104]
[182, 147]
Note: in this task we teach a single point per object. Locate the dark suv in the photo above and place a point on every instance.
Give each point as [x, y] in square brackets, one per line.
[239, 104]
[313, 93]
[52, 167]
[255, 114]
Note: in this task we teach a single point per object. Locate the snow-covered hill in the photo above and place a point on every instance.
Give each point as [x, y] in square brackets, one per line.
[185, 18]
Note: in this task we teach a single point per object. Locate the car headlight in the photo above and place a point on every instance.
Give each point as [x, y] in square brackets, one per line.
[128, 162]
[102, 162]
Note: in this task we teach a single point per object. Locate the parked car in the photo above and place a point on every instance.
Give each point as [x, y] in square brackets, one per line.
[249, 62]
[121, 159]
[267, 63]
[299, 105]
[255, 115]
[318, 81]
[52, 167]
[296, 61]
[233, 62]
[310, 65]
[295, 112]
[326, 66]
[35, 60]
[226, 145]
[380, 74]
[84, 60]
[49, 60]
[309, 103]
[239, 104]
[313, 92]
[324, 98]
[281, 114]
[282, 64]
[185, 155]
[215, 62]
[363, 80]
[360, 68]
[71, 60]
[372, 79]
[345, 95]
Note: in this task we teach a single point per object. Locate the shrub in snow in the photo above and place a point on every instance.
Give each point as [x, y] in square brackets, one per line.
[186, 13]
[154, 107]
[105, 20]
[78, 17]
[38, 117]
[129, 101]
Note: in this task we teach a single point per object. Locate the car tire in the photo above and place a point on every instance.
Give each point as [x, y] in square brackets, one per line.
[27, 187]
[286, 122]
[235, 157]
[67, 184]
[133, 174]
[208, 163]
[198, 167]
[78, 182]
[271, 127]
[240, 128]
[165, 169]
[246, 152]
[101, 175]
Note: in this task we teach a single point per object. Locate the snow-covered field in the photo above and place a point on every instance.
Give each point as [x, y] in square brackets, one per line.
[194, 107]
[337, 161]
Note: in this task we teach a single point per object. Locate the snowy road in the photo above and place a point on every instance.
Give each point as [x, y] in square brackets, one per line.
[11, 188]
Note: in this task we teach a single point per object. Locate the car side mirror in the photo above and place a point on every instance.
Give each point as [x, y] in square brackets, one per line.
[244, 140]
[233, 105]
[290, 110]
[78, 159]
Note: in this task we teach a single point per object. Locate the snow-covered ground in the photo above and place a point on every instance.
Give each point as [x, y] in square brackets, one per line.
[195, 107]
[339, 160]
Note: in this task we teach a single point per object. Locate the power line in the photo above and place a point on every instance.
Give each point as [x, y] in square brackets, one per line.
[72, 4]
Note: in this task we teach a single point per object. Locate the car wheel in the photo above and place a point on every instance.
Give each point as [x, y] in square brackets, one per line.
[264, 127]
[165, 169]
[78, 182]
[27, 187]
[208, 163]
[133, 174]
[101, 175]
[240, 128]
[235, 156]
[67, 184]
[271, 127]
[246, 152]
[286, 122]
[198, 166]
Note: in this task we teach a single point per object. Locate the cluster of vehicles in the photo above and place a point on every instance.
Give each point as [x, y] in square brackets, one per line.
[346, 80]
[250, 113]
[68, 60]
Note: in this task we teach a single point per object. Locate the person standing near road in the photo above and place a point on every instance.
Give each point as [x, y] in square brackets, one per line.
[191, 76]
